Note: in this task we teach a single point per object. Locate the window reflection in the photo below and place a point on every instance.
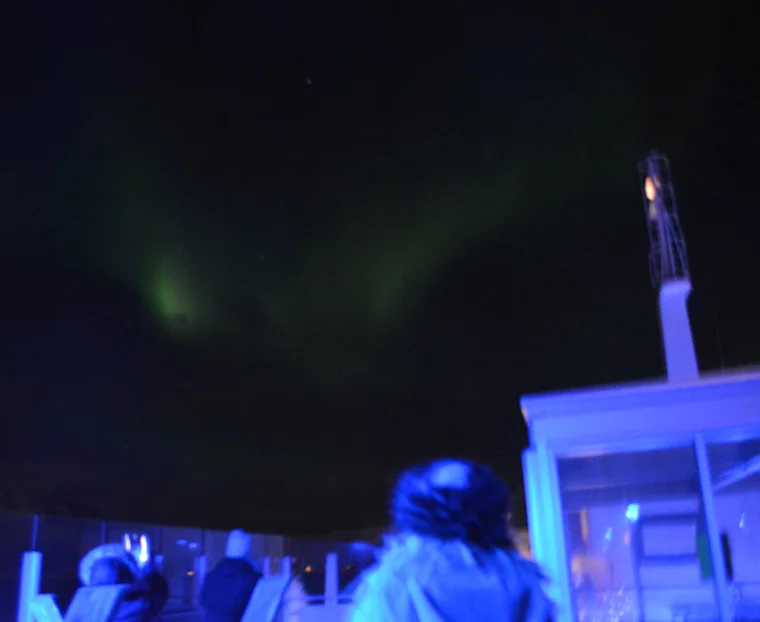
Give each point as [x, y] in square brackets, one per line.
[735, 477]
[181, 546]
[635, 531]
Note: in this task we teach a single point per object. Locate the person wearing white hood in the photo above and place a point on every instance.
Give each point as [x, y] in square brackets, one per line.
[228, 587]
[450, 557]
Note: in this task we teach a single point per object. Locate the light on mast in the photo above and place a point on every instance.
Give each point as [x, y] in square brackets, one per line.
[649, 189]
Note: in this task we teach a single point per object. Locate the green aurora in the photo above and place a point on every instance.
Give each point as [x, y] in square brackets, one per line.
[328, 300]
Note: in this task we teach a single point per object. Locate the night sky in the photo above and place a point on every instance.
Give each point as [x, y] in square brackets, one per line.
[257, 256]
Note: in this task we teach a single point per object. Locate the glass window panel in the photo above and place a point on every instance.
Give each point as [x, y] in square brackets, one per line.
[60, 541]
[215, 545]
[309, 558]
[180, 547]
[636, 537]
[669, 539]
[94, 533]
[735, 477]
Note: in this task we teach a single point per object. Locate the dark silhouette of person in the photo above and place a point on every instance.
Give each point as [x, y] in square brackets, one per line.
[151, 590]
[228, 587]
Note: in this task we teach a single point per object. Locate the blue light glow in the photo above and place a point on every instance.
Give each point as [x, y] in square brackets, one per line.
[632, 512]
[144, 554]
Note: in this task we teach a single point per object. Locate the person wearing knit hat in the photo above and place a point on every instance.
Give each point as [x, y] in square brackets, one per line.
[238, 544]
[228, 587]
[450, 555]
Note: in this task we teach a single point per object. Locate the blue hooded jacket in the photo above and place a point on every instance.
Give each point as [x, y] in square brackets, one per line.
[452, 559]
[421, 579]
[227, 590]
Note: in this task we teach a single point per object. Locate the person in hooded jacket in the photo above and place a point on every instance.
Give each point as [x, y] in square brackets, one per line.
[450, 557]
[113, 564]
[228, 587]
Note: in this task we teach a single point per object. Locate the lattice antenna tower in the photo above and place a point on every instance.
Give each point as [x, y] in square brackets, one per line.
[667, 247]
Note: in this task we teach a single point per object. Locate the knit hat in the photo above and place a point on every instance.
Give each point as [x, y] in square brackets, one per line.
[238, 544]
[453, 500]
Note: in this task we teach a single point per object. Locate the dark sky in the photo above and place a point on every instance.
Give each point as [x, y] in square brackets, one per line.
[256, 256]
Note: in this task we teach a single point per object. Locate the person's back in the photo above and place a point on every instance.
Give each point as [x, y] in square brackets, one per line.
[451, 558]
[426, 580]
[228, 587]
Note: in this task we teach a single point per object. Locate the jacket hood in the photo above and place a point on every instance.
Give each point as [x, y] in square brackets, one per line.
[112, 550]
[452, 582]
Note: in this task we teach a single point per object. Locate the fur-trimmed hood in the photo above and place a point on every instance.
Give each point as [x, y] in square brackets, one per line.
[112, 550]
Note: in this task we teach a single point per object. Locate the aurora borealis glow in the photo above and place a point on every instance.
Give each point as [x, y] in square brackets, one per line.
[276, 235]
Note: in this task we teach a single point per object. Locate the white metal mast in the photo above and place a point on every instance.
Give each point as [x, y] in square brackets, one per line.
[667, 248]
[669, 266]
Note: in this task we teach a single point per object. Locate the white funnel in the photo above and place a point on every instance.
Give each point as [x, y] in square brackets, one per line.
[680, 356]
